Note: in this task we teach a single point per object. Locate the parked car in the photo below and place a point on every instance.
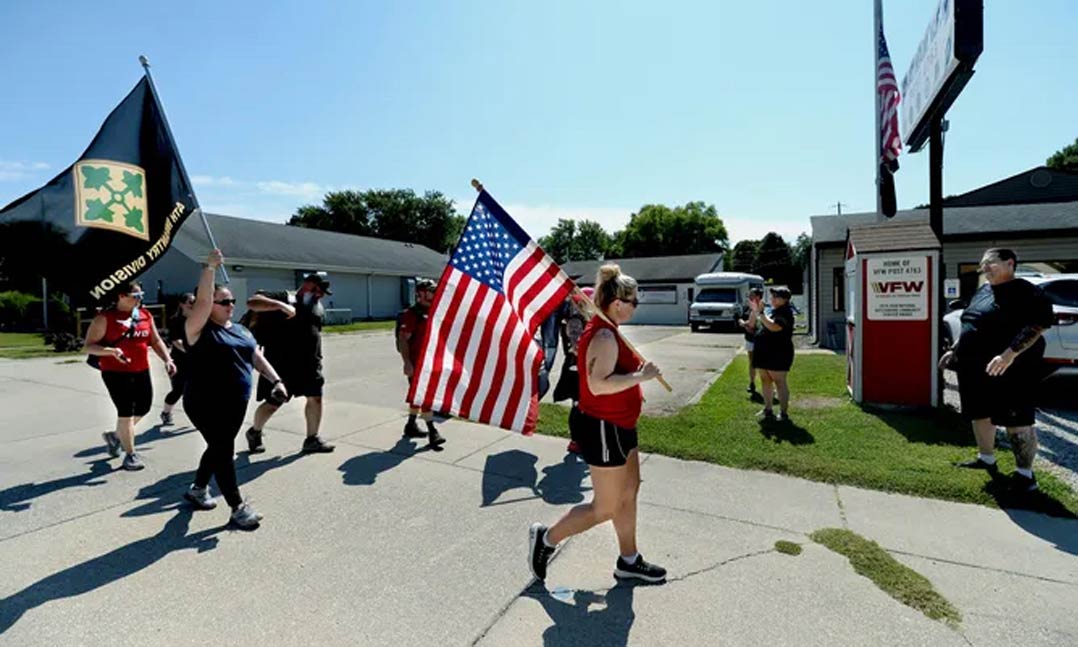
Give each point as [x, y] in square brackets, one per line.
[1062, 338]
[720, 299]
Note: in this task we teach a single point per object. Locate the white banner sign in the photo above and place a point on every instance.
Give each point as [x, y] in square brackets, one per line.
[898, 288]
[659, 294]
[931, 66]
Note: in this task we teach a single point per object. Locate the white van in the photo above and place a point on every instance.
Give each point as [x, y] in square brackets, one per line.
[721, 297]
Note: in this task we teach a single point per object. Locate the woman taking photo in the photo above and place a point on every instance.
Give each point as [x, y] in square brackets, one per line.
[774, 352]
[120, 338]
[604, 429]
[220, 357]
[176, 327]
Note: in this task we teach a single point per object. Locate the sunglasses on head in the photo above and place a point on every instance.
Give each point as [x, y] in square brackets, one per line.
[226, 302]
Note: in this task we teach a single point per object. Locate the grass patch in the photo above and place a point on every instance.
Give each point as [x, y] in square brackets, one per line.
[896, 580]
[17, 339]
[360, 326]
[788, 547]
[832, 440]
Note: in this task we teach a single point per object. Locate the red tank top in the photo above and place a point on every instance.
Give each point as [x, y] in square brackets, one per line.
[622, 408]
[136, 345]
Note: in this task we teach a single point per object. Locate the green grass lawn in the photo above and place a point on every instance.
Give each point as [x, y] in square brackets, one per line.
[831, 439]
[360, 326]
[16, 339]
[18, 345]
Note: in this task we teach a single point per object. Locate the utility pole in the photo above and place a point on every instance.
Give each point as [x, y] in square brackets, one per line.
[838, 205]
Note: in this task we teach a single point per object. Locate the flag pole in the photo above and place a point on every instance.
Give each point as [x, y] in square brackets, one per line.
[145, 62]
[588, 308]
[877, 18]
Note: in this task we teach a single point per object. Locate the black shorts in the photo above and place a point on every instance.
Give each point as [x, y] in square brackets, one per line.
[306, 384]
[132, 393]
[601, 443]
[1008, 400]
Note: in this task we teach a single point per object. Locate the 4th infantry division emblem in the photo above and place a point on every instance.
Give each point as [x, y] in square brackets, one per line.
[111, 195]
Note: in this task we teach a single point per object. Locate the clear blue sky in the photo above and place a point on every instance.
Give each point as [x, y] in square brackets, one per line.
[579, 109]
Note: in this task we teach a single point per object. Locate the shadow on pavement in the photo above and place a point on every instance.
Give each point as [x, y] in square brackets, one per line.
[18, 497]
[513, 469]
[592, 619]
[147, 437]
[365, 468]
[110, 567]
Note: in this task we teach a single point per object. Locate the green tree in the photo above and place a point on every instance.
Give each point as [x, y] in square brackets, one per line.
[592, 243]
[393, 214]
[774, 262]
[743, 258]
[658, 230]
[801, 251]
[559, 242]
[1065, 159]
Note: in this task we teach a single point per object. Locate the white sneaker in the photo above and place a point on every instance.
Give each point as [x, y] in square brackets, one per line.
[200, 498]
[245, 516]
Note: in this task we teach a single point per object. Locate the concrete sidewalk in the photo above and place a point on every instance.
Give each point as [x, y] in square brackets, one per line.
[384, 542]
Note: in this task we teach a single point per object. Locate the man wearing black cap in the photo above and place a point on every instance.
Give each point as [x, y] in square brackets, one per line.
[413, 326]
[290, 329]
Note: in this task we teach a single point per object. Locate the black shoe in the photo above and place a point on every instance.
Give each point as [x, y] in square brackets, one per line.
[435, 438]
[411, 430]
[978, 464]
[641, 570]
[1023, 484]
[539, 553]
[766, 414]
[751, 389]
[254, 441]
[315, 445]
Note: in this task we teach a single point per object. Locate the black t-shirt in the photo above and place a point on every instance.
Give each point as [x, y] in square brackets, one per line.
[298, 339]
[783, 316]
[995, 316]
[176, 333]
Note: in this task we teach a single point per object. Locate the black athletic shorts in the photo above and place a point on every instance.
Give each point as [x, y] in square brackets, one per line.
[132, 393]
[307, 384]
[601, 443]
[1008, 400]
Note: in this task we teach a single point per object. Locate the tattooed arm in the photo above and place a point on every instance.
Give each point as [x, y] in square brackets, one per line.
[1021, 343]
[602, 360]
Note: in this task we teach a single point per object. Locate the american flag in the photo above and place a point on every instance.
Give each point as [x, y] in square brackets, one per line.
[480, 360]
[887, 88]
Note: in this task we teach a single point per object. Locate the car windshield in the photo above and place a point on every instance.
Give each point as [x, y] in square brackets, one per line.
[717, 295]
[1062, 293]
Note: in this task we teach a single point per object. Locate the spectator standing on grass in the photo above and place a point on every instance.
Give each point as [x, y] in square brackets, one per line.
[178, 352]
[120, 338]
[605, 430]
[750, 324]
[221, 357]
[999, 360]
[773, 354]
[290, 328]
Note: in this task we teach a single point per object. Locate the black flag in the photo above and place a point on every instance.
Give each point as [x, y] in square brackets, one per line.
[117, 207]
[888, 202]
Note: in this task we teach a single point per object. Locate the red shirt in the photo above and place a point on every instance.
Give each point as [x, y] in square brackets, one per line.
[414, 322]
[136, 346]
[621, 408]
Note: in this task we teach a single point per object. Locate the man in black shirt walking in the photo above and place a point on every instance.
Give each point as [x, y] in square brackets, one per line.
[999, 360]
[290, 329]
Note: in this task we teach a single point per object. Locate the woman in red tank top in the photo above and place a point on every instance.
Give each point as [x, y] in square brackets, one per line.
[604, 428]
[121, 337]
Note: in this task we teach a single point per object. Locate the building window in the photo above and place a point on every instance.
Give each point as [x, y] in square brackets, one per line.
[838, 293]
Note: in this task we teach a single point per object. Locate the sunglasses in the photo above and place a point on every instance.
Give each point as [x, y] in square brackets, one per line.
[634, 301]
[135, 295]
[226, 302]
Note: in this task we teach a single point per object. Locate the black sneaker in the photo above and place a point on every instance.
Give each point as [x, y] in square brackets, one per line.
[112, 443]
[254, 441]
[315, 445]
[766, 414]
[412, 430]
[979, 464]
[1023, 484]
[751, 389]
[539, 553]
[435, 438]
[640, 570]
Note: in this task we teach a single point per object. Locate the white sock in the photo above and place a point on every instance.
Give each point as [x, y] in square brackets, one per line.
[988, 458]
[1024, 472]
[630, 559]
[546, 542]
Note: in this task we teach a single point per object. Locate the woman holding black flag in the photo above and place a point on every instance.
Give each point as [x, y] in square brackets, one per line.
[221, 355]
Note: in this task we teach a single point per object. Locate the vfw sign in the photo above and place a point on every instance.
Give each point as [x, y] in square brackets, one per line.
[897, 288]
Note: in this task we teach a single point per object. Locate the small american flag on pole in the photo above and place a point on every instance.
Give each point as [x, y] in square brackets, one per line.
[887, 88]
[480, 360]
